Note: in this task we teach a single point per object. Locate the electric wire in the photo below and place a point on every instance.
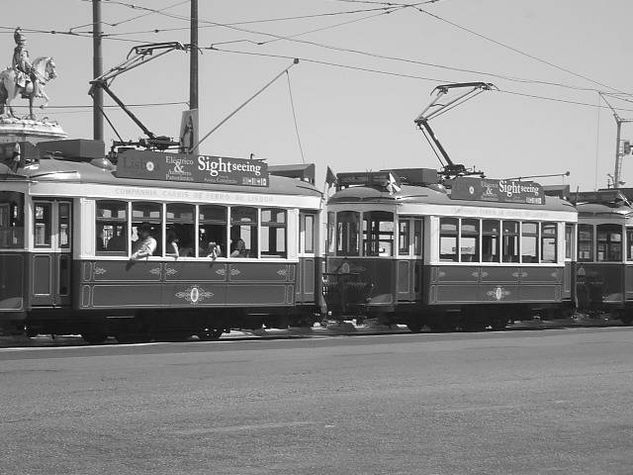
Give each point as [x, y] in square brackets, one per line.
[294, 117]
[395, 74]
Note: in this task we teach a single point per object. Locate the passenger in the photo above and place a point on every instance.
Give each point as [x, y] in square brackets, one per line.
[145, 245]
[239, 249]
[214, 250]
[172, 244]
[117, 243]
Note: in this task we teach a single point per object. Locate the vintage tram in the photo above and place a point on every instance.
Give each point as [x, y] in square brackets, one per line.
[233, 245]
[604, 271]
[404, 246]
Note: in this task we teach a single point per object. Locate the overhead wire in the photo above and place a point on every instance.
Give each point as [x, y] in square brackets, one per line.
[294, 117]
[396, 74]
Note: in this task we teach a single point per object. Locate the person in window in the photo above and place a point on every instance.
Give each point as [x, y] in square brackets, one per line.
[117, 242]
[214, 250]
[145, 245]
[239, 249]
[172, 244]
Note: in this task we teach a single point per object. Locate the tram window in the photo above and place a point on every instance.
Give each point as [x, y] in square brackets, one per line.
[151, 213]
[448, 239]
[212, 235]
[111, 226]
[490, 240]
[569, 241]
[629, 244]
[585, 242]
[347, 230]
[609, 243]
[510, 241]
[63, 231]
[42, 224]
[378, 233]
[11, 220]
[306, 231]
[417, 237]
[548, 242]
[180, 221]
[469, 242]
[273, 233]
[404, 226]
[243, 232]
[331, 226]
[529, 242]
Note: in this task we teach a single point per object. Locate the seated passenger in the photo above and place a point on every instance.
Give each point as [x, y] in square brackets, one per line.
[145, 245]
[239, 250]
[172, 244]
[214, 250]
[117, 243]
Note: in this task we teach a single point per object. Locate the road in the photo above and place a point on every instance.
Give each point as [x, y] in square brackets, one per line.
[554, 401]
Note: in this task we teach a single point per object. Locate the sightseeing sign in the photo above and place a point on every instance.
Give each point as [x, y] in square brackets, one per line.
[504, 191]
[192, 168]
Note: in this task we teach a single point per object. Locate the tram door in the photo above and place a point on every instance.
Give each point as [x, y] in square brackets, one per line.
[51, 261]
[410, 264]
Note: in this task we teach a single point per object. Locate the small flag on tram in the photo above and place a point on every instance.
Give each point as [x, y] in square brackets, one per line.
[392, 185]
[330, 178]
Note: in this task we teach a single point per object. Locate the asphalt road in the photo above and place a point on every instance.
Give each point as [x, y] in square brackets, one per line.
[554, 401]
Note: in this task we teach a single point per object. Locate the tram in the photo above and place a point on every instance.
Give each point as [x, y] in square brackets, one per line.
[233, 245]
[604, 273]
[404, 246]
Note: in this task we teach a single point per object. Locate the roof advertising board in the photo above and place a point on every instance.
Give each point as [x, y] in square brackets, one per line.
[503, 191]
[193, 168]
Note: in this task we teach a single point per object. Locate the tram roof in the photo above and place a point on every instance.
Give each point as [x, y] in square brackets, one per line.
[101, 171]
[602, 210]
[434, 195]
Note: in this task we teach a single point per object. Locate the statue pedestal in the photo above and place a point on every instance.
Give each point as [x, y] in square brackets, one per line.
[26, 130]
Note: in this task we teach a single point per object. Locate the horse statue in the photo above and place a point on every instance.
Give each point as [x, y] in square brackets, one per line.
[44, 68]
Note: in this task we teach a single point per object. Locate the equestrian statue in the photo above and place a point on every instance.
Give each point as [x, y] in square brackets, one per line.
[25, 78]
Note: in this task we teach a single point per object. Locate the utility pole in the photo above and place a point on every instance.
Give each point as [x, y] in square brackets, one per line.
[97, 70]
[193, 62]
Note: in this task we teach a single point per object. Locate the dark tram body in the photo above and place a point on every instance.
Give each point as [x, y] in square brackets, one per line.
[604, 271]
[467, 254]
[69, 220]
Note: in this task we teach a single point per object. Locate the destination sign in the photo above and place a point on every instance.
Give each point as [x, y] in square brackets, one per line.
[192, 168]
[503, 191]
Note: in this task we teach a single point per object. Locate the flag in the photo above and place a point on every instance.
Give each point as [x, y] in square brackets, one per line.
[330, 178]
[392, 184]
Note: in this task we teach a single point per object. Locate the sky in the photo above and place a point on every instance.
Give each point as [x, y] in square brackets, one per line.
[366, 70]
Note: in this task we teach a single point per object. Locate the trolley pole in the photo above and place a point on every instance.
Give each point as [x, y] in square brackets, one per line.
[97, 70]
[193, 62]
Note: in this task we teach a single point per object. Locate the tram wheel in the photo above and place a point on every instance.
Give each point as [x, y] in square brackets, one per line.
[94, 338]
[415, 327]
[209, 334]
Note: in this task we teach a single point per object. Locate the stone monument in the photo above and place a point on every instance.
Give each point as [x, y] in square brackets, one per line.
[26, 80]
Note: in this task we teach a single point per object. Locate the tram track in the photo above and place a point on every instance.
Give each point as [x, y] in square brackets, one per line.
[330, 329]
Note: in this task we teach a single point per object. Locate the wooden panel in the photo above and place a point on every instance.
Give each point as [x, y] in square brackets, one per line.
[196, 271]
[628, 281]
[306, 283]
[42, 274]
[11, 282]
[456, 274]
[499, 293]
[194, 295]
[539, 293]
[447, 294]
[126, 295]
[567, 273]
[498, 274]
[117, 271]
[265, 295]
[540, 274]
[403, 280]
[260, 272]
